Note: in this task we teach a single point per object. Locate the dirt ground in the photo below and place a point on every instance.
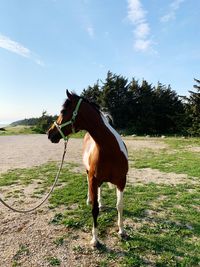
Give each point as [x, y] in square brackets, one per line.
[23, 151]
[33, 230]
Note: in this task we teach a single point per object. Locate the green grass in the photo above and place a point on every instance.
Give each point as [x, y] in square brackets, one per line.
[80, 134]
[22, 251]
[53, 261]
[45, 174]
[59, 241]
[179, 162]
[178, 143]
[162, 222]
[22, 129]
[177, 158]
[17, 130]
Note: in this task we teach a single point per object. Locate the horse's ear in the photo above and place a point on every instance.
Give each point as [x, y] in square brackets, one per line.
[69, 95]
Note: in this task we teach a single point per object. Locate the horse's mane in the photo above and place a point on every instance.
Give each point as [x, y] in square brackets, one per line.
[93, 104]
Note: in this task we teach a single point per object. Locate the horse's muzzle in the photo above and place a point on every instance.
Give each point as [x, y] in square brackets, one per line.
[53, 137]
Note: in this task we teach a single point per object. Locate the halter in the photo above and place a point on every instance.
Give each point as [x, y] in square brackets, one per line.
[75, 112]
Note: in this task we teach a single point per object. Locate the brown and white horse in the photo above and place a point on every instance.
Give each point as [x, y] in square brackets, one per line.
[104, 154]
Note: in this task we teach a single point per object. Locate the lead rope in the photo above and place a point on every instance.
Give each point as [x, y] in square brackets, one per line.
[51, 190]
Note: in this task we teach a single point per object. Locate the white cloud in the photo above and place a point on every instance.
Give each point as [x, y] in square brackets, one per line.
[17, 48]
[171, 14]
[176, 3]
[142, 45]
[14, 47]
[137, 16]
[142, 30]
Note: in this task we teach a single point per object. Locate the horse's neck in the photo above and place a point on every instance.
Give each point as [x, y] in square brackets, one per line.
[97, 126]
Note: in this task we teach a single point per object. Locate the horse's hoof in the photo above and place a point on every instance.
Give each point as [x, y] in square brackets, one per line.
[94, 243]
[122, 234]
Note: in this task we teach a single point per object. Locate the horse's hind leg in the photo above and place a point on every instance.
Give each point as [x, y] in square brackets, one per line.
[95, 212]
[99, 198]
[120, 211]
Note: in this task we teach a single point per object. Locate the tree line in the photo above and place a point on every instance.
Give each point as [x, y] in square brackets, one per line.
[139, 108]
[146, 109]
[38, 125]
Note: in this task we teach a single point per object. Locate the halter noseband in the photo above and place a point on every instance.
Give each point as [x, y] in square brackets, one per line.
[59, 127]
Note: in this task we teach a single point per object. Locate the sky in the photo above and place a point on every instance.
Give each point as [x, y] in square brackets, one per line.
[48, 46]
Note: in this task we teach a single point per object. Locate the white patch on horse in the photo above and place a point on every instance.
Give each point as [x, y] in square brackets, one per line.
[87, 153]
[120, 211]
[94, 240]
[117, 136]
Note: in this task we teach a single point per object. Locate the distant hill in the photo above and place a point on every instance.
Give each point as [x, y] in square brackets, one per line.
[40, 125]
[26, 122]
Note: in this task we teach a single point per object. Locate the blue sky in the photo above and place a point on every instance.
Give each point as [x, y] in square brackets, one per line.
[47, 46]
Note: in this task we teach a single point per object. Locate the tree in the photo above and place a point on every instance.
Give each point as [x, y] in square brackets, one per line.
[193, 109]
[93, 93]
[168, 110]
[142, 108]
[44, 122]
[115, 98]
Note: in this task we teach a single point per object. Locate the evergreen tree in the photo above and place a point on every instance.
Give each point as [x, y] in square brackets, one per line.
[193, 109]
[115, 98]
[168, 110]
[142, 108]
[132, 107]
[93, 93]
[44, 122]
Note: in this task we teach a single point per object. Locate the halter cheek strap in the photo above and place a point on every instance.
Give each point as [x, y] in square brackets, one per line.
[59, 127]
[60, 131]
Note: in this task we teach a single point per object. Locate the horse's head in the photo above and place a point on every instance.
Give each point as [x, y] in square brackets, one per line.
[67, 121]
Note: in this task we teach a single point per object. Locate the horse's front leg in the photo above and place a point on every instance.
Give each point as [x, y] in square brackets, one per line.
[88, 201]
[93, 189]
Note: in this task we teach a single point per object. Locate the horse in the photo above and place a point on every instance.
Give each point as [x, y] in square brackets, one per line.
[105, 155]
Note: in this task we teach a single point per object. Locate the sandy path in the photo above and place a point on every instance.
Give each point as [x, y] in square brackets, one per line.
[25, 151]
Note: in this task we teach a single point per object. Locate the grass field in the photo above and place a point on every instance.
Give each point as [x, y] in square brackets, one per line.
[162, 221]
[177, 157]
[22, 129]
[16, 130]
